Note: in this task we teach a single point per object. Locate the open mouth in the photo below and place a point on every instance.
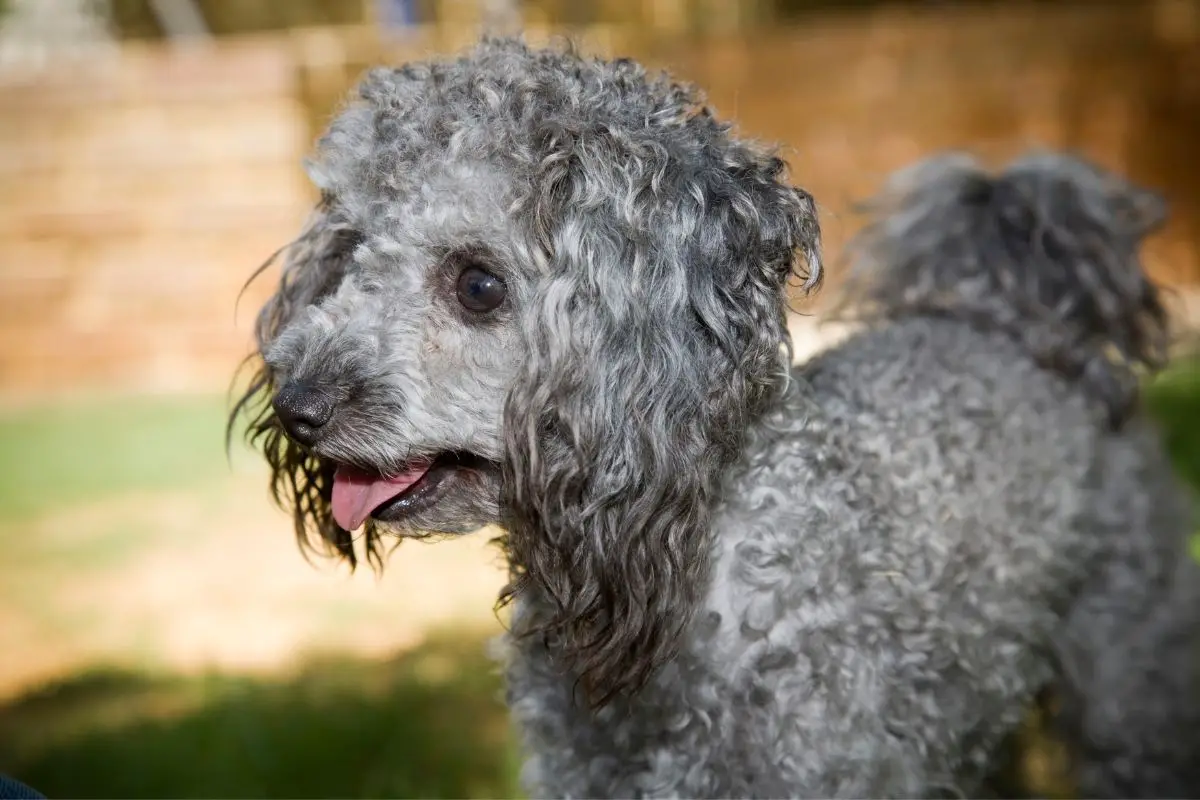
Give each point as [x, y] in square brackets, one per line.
[359, 494]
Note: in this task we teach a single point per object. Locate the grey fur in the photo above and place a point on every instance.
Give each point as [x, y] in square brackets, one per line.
[731, 578]
[1043, 251]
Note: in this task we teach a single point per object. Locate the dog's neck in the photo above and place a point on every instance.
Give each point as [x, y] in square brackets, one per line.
[704, 569]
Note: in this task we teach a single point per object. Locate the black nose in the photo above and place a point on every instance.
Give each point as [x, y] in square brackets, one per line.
[303, 411]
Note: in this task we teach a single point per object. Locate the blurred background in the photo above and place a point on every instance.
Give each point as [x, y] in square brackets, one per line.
[160, 635]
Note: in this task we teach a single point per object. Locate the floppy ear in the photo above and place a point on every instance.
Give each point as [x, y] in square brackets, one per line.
[313, 267]
[656, 335]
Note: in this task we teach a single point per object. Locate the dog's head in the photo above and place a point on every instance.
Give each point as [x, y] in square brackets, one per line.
[539, 291]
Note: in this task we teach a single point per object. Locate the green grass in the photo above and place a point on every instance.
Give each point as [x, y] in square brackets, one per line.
[55, 457]
[1174, 400]
[430, 723]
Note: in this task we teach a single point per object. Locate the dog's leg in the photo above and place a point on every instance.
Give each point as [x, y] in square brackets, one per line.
[1131, 651]
[1131, 705]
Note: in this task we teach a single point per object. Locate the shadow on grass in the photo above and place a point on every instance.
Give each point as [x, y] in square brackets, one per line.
[429, 723]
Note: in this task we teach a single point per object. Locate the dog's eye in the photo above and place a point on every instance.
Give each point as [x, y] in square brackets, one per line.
[480, 290]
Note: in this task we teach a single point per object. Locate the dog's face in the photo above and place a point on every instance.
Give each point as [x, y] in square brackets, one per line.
[396, 376]
[540, 291]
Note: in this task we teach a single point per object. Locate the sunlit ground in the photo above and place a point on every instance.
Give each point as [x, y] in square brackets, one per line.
[160, 635]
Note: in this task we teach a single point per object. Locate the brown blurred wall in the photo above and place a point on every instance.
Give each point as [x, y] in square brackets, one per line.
[136, 198]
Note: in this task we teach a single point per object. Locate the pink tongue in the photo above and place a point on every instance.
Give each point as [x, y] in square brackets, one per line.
[357, 493]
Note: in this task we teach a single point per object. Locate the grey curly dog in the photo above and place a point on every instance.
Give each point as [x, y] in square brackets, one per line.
[549, 292]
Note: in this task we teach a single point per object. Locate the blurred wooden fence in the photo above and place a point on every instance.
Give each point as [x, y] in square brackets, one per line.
[135, 202]
[135, 199]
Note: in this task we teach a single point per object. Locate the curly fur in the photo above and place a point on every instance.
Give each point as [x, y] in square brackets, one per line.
[690, 342]
[731, 577]
[1046, 251]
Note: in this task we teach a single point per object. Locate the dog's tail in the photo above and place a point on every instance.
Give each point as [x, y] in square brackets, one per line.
[1045, 251]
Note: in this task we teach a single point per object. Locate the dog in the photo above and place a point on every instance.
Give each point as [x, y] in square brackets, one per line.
[549, 292]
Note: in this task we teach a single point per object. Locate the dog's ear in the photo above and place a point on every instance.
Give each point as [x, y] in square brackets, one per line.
[313, 267]
[656, 335]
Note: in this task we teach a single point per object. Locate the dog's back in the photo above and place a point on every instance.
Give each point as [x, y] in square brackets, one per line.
[1045, 252]
[954, 509]
[1008, 321]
